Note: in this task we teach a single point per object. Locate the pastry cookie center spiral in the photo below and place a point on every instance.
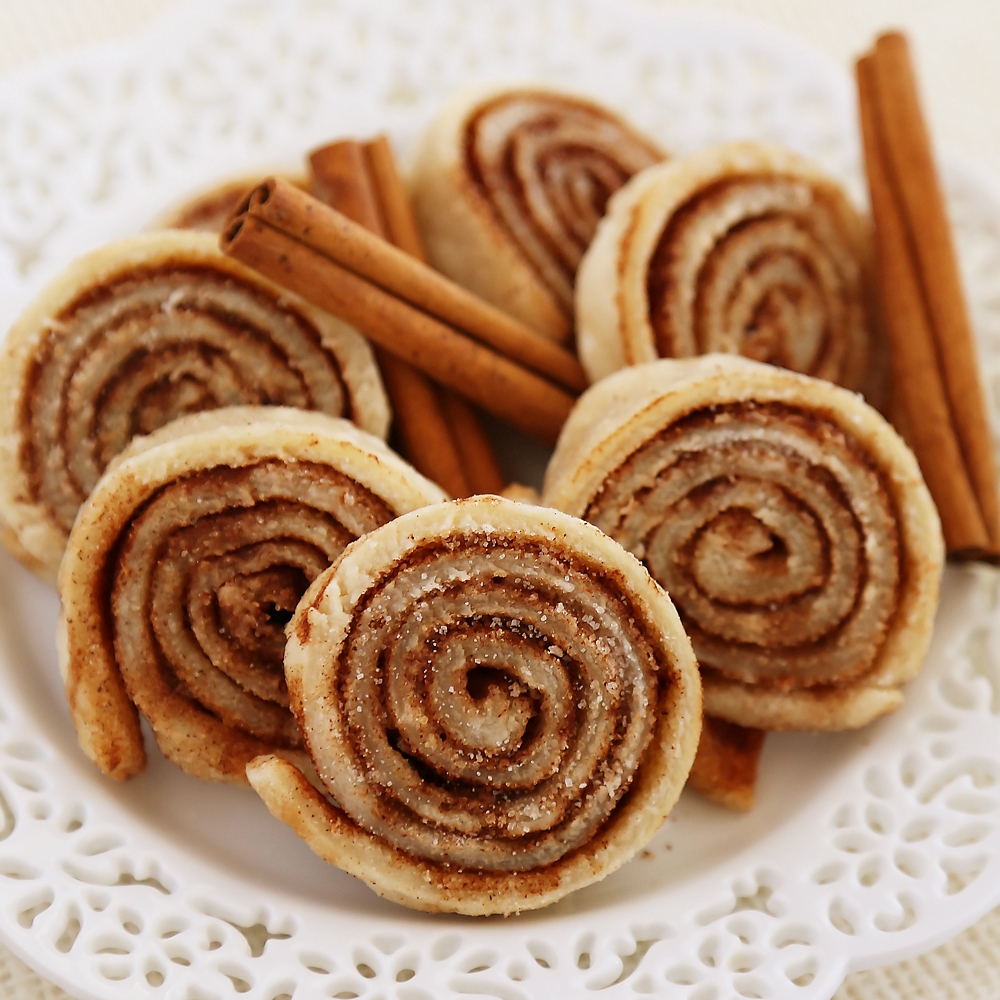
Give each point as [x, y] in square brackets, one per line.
[491, 706]
[146, 349]
[211, 570]
[760, 547]
[547, 166]
[758, 267]
[775, 538]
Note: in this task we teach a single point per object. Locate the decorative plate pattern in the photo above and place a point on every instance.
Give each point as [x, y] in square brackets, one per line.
[864, 848]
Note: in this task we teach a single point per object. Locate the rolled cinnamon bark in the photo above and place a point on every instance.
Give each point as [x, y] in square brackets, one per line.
[185, 564]
[422, 431]
[284, 207]
[508, 188]
[394, 200]
[940, 403]
[478, 460]
[138, 333]
[787, 520]
[499, 699]
[478, 373]
[340, 179]
[343, 178]
[746, 249]
[209, 210]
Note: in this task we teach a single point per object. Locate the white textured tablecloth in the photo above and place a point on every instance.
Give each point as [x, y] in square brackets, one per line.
[956, 45]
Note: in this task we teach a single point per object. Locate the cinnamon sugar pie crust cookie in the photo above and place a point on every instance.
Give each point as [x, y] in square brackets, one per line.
[508, 187]
[784, 516]
[185, 564]
[745, 248]
[140, 332]
[501, 702]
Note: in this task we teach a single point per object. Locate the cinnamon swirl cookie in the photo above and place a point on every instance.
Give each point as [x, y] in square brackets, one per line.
[499, 699]
[784, 516]
[745, 249]
[186, 562]
[136, 334]
[508, 187]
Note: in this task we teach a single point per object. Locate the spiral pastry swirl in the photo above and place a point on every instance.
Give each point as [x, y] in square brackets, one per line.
[741, 249]
[509, 187]
[141, 332]
[186, 563]
[784, 517]
[488, 691]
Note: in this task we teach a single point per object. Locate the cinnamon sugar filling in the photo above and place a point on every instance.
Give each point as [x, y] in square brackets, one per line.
[774, 535]
[547, 167]
[127, 358]
[492, 703]
[210, 571]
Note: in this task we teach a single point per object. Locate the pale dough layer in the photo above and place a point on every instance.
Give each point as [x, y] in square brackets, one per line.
[208, 209]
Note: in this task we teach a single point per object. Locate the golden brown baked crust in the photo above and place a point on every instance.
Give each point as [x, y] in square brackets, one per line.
[186, 561]
[508, 187]
[499, 699]
[135, 334]
[786, 518]
[745, 248]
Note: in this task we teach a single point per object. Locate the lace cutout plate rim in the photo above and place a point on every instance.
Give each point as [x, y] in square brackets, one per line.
[865, 848]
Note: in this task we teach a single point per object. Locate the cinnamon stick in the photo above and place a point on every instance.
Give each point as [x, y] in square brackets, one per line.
[328, 232]
[422, 426]
[397, 214]
[494, 382]
[932, 353]
[341, 178]
[478, 460]
[912, 164]
[913, 357]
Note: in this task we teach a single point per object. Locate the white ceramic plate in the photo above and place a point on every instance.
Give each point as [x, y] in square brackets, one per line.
[864, 848]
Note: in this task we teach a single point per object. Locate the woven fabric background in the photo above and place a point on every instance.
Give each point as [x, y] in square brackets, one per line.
[956, 47]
